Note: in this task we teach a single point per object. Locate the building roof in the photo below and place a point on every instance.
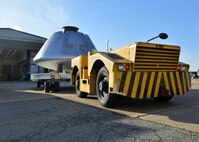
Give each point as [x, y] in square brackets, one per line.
[18, 40]
[13, 43]
[12, 34]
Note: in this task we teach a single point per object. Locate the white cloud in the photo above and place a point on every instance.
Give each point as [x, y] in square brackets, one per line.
[40, 17]
[17, 28]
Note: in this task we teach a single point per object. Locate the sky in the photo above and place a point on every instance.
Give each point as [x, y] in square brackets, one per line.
[120, 21]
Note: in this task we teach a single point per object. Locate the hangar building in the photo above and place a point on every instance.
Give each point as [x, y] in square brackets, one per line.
[17, 50]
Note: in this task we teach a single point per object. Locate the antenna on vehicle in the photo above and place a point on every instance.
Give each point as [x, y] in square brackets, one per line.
[107, 45]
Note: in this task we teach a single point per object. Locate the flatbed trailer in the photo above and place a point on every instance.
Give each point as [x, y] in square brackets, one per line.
[50, 81]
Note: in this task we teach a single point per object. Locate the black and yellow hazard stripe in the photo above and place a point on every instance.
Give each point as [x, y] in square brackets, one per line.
[141, 85]
[179, 82]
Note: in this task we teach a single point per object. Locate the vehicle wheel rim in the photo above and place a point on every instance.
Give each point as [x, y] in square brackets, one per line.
[103, 87]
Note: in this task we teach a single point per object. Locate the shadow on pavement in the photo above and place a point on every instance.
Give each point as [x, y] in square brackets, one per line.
[180, 108]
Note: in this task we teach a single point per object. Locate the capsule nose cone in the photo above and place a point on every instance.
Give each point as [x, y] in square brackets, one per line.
[61, 47]
[70, 28]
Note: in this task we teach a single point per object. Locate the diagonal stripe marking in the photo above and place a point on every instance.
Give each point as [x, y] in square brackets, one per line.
[136, 82]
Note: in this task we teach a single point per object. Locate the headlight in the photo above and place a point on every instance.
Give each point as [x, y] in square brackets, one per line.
[123, 67]
[120, 67]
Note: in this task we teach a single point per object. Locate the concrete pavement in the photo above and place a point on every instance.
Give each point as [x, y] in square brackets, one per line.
[28, 114]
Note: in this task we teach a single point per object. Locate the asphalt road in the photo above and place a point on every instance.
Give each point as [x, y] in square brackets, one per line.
[27, 114]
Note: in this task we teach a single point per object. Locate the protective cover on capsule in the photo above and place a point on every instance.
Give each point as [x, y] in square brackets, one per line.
[61, 47]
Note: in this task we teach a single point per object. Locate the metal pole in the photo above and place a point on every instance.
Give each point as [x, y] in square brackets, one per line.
[152, 38]
[107, 48]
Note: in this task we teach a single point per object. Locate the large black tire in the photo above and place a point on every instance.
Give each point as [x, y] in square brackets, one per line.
[38, 84]
[102, 88]
[47, 86]
[77, 87]
[56, 86]
[163, 96]
[163, 99]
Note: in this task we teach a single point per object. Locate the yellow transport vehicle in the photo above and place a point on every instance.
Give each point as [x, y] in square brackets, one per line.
[139, 70]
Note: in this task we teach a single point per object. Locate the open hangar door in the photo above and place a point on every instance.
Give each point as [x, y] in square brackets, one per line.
[13, 64]
[17, 50]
